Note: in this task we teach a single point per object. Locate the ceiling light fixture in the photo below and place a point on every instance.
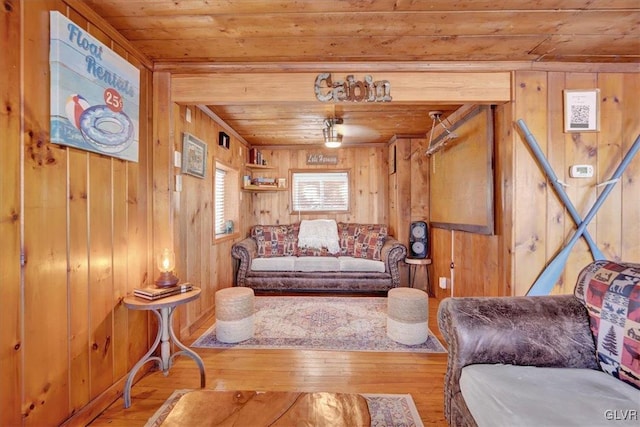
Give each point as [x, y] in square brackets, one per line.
[442, 140]
[332, 139]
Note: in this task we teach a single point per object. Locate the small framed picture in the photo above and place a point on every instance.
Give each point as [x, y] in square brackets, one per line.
[194, 156]
[582, 110]
[223, 140]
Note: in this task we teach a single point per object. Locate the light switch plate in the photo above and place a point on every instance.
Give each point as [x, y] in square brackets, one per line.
[177, 159]
[178, 183]
[187, 115]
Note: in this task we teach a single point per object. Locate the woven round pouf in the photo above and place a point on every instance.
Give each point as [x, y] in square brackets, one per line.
[234, 314]
[407, 315]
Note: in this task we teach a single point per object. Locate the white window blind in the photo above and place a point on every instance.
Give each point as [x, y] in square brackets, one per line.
[220, 201]
[320, 191]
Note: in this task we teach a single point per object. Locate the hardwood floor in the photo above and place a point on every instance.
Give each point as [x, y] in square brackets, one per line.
[419, 374]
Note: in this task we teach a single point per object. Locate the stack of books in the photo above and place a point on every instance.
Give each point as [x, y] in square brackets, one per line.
[153, 293]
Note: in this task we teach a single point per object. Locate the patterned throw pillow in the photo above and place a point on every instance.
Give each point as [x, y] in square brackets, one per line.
[346, 235]
[273, 240]
[611, 293]
[362, 240]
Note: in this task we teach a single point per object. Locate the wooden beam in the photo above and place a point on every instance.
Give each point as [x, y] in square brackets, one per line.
[260, 88]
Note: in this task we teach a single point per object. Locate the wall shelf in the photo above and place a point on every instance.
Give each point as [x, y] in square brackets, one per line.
[262, 189]
[255, 166]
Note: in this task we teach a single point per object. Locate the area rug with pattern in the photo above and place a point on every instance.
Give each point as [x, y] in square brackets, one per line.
[321, 323]
[396, 410]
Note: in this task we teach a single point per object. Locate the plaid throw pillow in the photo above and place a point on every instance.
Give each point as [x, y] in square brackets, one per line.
[611, 293]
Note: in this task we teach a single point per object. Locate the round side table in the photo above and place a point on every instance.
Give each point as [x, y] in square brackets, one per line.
[414, 263]
[163, 308]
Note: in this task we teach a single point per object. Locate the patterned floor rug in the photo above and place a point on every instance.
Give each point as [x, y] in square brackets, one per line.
[321, 323]
[386, 410]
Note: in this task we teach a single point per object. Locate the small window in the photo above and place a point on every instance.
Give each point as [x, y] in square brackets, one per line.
[225, 190]
[320, 191]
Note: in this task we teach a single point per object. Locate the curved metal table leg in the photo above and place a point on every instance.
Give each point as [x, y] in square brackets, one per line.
[147, 357]
[185, 350]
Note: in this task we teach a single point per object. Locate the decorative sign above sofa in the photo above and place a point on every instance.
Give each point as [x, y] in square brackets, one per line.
[95, 93]
[351, 90]
[322, 159]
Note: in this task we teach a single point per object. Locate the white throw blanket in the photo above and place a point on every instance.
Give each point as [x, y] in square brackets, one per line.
[319, 233]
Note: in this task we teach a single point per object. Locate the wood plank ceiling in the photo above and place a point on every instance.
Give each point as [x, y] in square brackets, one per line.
[287, 34]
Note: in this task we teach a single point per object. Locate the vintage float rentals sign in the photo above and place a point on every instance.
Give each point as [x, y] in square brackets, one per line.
[95, 94]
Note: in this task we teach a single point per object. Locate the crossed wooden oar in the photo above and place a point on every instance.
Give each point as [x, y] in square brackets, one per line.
[550, 275]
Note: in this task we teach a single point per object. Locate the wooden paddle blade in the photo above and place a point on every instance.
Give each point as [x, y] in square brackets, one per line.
[550, 275]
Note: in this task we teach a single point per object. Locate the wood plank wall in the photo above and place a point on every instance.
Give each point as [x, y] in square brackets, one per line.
[200, 260]
[540, 224]
[10, 220]
[408, 196]
[369, 173]
[81, 223]
[531, 222]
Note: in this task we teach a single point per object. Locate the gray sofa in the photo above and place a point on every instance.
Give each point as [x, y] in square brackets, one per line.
[270, 260]
[536, 361]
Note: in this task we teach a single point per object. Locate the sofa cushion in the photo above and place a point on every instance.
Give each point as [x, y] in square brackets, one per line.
[611, 294]
[283, 263]
[348, 263]
[275, 240]
[329, 263]
[509, 395]
[362, 240]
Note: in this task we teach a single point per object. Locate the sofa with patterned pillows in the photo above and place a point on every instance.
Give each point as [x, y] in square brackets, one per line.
[317, 256]
[556, 360]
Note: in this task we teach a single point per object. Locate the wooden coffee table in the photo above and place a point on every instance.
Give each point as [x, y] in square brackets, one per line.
[273, 408]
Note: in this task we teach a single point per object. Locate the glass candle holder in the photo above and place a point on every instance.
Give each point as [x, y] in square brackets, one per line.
[166, 262]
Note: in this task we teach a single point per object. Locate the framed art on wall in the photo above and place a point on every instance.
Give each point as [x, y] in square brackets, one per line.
[582, 110]
[194, 156]
[95, 93]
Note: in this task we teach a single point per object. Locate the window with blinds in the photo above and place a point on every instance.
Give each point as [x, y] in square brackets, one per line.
[220, 219]
[320, 191]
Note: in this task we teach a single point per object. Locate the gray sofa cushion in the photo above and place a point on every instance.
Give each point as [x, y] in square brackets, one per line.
[308, 264]
[522, 396]
[283, 263]
[317, 263]
[348, 263]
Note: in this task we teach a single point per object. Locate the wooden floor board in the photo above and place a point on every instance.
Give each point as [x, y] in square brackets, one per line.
[418, 374]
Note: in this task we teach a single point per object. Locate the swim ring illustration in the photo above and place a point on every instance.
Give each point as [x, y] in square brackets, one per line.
[107, 130]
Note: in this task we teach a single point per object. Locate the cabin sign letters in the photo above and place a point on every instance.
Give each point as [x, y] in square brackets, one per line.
[351, 90]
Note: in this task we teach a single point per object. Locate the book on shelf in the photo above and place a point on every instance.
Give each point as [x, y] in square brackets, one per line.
[152, 293]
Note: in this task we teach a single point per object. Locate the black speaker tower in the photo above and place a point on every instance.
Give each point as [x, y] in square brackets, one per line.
[418, 240]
